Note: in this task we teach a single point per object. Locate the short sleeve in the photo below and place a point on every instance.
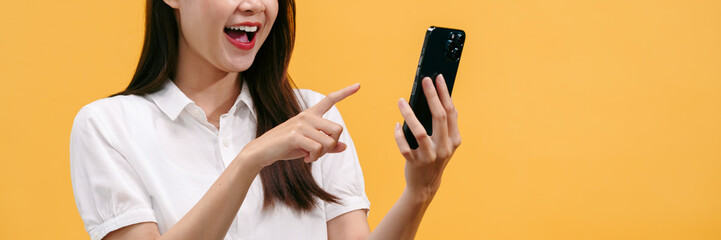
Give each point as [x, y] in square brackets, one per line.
[108, 192]
[342, 175]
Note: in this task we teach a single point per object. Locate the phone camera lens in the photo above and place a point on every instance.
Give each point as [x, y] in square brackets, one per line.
[454, 45]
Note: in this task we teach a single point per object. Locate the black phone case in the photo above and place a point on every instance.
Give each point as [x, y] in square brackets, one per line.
[441, 54]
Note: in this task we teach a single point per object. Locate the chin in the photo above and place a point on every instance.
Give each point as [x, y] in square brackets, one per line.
[239, 64]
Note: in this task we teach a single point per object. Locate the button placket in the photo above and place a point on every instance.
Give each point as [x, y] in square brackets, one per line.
[197, 112]
[224, 138]
[223, 133]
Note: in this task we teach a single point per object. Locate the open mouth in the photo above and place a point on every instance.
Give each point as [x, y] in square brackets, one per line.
[243, 34]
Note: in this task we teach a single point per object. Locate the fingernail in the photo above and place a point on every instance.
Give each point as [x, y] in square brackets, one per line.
[398, 125]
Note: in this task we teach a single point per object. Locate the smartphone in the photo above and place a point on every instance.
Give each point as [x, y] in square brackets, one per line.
[440, 54]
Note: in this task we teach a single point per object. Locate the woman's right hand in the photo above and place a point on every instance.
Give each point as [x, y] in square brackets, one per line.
[307, 135]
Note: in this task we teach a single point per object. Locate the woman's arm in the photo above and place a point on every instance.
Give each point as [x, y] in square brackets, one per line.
[423, 170]
[401, 222]
[212, 216]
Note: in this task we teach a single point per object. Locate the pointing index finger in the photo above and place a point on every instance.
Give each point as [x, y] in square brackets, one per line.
[331, 99]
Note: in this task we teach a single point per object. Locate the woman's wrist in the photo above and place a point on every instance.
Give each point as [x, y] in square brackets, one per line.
[249, 161]
[419, 195]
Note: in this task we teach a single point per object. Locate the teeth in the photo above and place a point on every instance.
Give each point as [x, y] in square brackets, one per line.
[244, 28]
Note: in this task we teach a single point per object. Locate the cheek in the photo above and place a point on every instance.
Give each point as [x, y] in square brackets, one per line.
[195, 22]
[271, 15]
[202, 23]
[271, 10]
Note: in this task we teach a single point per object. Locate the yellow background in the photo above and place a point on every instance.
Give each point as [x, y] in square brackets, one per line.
[580, 119]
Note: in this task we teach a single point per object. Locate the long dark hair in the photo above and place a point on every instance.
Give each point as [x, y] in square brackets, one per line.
[288, 182]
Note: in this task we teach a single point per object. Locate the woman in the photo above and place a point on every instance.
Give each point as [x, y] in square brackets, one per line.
[209, 140]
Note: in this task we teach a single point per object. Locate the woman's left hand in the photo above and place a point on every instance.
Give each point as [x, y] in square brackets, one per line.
[425, 165]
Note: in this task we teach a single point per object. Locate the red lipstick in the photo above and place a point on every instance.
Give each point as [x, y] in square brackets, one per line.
[242, 35]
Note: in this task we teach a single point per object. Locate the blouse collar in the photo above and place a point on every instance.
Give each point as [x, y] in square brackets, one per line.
[172, 101]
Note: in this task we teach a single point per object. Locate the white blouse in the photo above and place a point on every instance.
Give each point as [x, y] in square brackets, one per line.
[151, 158]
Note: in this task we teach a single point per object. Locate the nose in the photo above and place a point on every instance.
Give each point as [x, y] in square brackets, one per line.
[251, 7]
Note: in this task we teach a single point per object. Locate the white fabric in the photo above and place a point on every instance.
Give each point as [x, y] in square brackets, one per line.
[151, 158]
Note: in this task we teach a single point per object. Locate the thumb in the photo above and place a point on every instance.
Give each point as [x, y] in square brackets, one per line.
[340, 147]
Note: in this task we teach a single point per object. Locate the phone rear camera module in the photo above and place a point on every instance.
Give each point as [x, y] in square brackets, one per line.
[453, 54]
[454, 45]
[461, 38]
